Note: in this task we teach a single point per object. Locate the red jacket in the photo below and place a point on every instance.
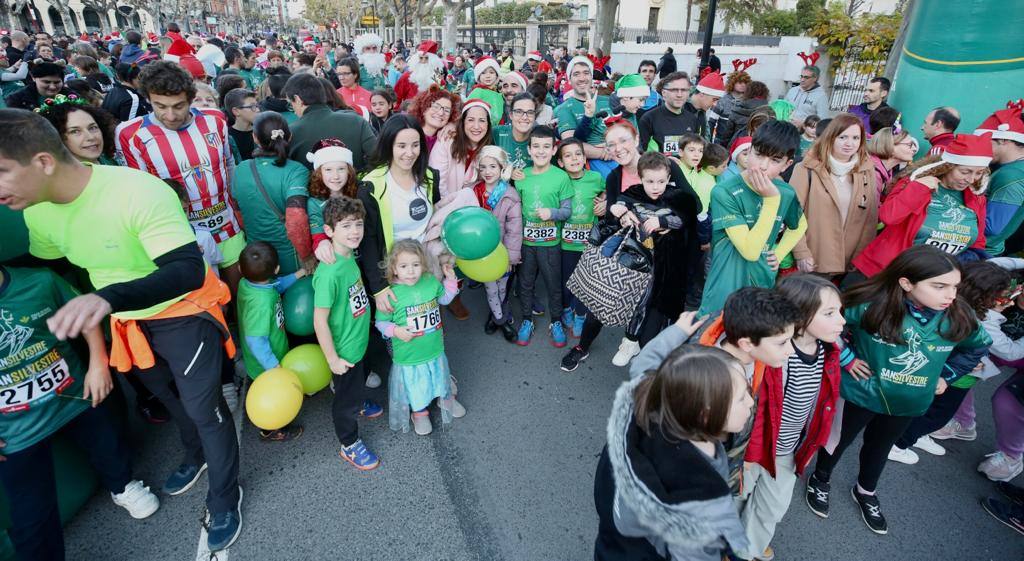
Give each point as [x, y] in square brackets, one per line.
[939, 143]
[903, 213]
[768, 416]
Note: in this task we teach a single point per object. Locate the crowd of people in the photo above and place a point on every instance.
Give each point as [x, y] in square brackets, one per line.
[195, 179]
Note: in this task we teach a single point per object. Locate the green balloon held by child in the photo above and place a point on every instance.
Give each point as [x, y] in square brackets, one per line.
[471, 233]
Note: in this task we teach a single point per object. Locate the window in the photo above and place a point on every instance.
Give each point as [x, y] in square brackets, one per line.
[652, 19]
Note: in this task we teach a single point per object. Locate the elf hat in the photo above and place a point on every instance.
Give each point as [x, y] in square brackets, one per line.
[739, 145]
[476, 103]
[517, 77]
[580, 60]
[712, 85]
[1005, 125]
[483, 63]
[534, 55]
[331, 150]
[968, 150]
[632, 85]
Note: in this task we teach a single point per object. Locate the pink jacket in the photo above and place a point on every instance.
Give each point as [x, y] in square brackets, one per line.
[509, 212]
[453, 175]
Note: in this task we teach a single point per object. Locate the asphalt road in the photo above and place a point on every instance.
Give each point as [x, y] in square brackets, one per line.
[510, 481]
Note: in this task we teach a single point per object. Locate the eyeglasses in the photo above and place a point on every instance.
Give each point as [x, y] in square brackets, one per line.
[441, 108]
[806, 76]
[250, 106]
[521, 113]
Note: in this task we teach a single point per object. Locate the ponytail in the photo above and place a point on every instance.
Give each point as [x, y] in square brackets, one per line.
[272, 136]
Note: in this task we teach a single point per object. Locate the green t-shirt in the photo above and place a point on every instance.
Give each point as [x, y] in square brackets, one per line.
[949, 224]
[13, 234]
[260, 314]
[339, 287]
[417, 310]
[904, 377]
[733, 203]
[369, 81]
[702, 183]
[546, 190]
[315, 211]
[38, 372]
[261, 221]
[571, 111]
[518, 153]
[1005, 187]
[253, 77]
[120, 223]
[577, 228]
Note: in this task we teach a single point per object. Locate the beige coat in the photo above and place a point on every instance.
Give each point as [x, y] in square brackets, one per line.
[831, 243]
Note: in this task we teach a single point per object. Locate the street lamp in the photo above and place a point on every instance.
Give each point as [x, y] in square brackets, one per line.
[705, 56]
[472, 24]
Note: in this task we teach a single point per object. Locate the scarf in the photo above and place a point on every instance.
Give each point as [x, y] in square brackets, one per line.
[840, 169]
[486, 201]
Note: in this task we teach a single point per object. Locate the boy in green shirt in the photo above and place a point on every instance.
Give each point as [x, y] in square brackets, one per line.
[547, 201]
[341, 319]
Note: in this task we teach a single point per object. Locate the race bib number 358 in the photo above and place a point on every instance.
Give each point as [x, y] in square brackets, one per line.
[41, 387]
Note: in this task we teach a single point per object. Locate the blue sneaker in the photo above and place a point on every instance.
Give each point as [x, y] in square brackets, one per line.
[577, 325]
[225, 527]
[557, 334]
[567, 316]
[359, 456]
[183, 479]
[370, 410]
[525, 332]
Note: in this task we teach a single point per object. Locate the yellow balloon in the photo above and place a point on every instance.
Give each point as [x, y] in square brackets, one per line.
[274, 399]
[486, 269]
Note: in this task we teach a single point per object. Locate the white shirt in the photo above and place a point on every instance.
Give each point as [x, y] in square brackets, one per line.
[410, 210]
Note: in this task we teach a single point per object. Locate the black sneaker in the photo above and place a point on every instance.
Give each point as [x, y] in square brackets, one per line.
[870, 511]
[817, 496]
[490, 327]
[508, 331]
[572, 360]
[1012, 492]
[1009, 514]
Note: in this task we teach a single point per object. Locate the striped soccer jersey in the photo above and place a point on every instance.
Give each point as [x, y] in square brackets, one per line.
[198, 156]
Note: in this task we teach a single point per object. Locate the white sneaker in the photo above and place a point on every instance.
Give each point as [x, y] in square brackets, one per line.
[421, 424]
[902, 456]
[928, 445]
[1000, 467]
[627, 350]
[373, 380]
[458, 411]
[230, 396]
[137, 500]
[955, 430]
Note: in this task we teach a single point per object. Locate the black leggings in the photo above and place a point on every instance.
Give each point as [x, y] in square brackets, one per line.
[653, 323]
[940, 412]
[880, 433]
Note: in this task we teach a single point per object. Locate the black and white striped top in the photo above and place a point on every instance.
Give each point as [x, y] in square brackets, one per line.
[802, 382]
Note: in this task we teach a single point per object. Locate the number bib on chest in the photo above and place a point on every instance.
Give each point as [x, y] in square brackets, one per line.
[575, 234]
[357, 299]
[535, 232]
[279, 312]
[212, 218]
[423, 318]
[36, 388]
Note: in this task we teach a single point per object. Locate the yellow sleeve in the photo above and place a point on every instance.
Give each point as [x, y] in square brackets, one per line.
[750, 241]
[790, 239]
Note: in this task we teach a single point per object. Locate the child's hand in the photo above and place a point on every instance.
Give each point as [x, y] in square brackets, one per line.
[772, 260]
[760, 183]
[449, 272]
[652, 225]
[404, 334]
[339, 365]
[941, 387]
[544, 213]
[629, 219]
[705, 247]
[600, 205]
[98, 384]
[325, 252]
[859, 369]
[518, 175]
[689, 322]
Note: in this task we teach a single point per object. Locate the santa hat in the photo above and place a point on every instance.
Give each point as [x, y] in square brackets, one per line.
[84, 38]
[476, 103]
[580, 60]
[329, 154]
[366, 40]
[308, 41]
[518, 77]
[1005, 125]
[153, 38]
[483, 63]
[115, 33]
[739, 145]
[632, 85]
[179, 47]
[712, 85]
[968, 150]
[428, 47]
[534, 55]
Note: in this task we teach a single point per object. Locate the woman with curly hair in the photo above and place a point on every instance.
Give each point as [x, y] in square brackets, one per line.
[435, 109]
[88, 131]
[735, 92]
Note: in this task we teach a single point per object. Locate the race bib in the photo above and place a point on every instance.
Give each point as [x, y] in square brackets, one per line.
[575, 234]
[212, 218]
[537, 232]
[424, 318]
[358, 302]
[950, 247]
[41, 387]
[280, 315]
[670, 145]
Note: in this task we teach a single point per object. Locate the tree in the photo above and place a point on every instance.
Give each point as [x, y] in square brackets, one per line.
[777, 22]
[452, 10]
[874, 34]
[604, 25]
[807, 11]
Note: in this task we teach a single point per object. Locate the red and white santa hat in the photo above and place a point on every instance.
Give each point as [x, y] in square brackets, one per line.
[739, 145]
[535, 55]
[476, 103]
[308, 41]
[427, 47]
[968, 150]
[517, 77]
[713, 84]
[331, 150]
[483, 63]
[1005, 125]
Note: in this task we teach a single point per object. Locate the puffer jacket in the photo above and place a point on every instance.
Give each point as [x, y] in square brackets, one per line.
[736, 126]
[509, 212]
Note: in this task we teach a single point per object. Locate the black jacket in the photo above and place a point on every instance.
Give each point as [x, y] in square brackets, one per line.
[28, 97]
[667, 65]
[736, 126]
[125, 104]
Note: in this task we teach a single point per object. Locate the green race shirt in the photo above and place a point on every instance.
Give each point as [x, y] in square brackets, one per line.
[577, 228]
[261, 221]
[733, 203]
[13, 234]
[260, 315]
[38, 372]
[949, 224]
[339, 287]
[546, 190]
[417, 310]
[904, 377]
[518, 155]
[571, 111]
[120, 223]
[1006, 187]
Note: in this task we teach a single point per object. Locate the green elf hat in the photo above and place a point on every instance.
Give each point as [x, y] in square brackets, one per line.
[632, 85]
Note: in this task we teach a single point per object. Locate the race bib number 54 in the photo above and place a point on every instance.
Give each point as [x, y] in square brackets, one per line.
[40, 387]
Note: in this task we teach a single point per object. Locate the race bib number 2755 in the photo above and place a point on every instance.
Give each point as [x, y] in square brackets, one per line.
[41, 387]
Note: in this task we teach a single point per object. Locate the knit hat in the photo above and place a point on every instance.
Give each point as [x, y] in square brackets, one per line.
[739, 145]
[334, 151]
[483, 63]
[518, 77]
[476, 103]
[712, 85]
[44, 69]
[1005, 125]
[632, 85]
[534, 55]
[580, 60]
[428, 46]
[968, 150]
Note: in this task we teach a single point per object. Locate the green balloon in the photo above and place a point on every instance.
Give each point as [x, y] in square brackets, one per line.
[308, 363]
[489, 268]
[471, 233]
[298, 307]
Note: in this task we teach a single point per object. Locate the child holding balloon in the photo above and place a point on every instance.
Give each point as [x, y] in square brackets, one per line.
[419, 371]
[494, 193]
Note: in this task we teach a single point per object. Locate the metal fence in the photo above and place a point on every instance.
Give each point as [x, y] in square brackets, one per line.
[503, 36]
[852, 74]
[643, 35]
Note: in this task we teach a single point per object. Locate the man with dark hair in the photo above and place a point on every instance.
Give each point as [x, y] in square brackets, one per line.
[875, 97]
[667, 123]
[47, 82]
[668, 63]
[317, 122]
[132, 49]
[276, 80]
[127, 230]
[939, 125]
[241, 108]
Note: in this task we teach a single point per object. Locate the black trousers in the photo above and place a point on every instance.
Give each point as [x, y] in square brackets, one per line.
[545, 262]
[189, 353]
[880, 433]
[28, 478]
[940, 412]
[348, 400]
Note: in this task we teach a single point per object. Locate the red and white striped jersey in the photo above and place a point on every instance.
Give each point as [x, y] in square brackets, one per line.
[198, 156]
